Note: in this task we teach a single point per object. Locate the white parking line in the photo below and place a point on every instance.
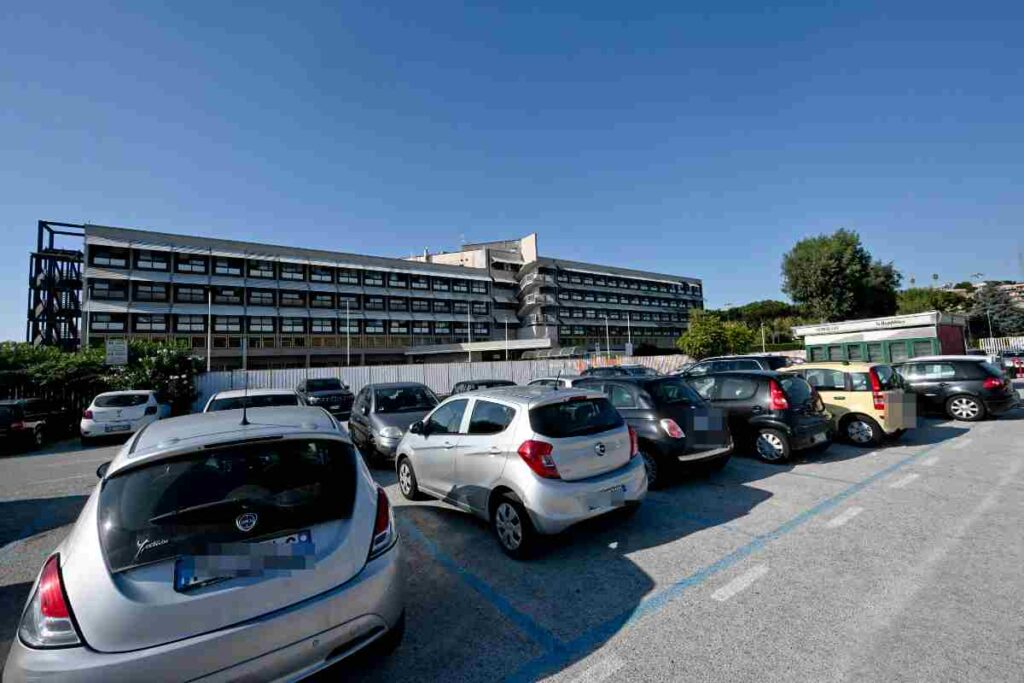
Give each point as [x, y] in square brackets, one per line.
[740, 583]
[844, 517]
[900, 483]
[963, 443]
[606, 667]
[928, 462]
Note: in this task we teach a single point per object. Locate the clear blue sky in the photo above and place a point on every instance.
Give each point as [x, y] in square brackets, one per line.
[698, 140]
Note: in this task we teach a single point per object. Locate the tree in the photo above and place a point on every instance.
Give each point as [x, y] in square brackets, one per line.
[834, 277]
[757, 312]
[964, 284]
[995, 304]
[921, 299]
[738, 337]
[704, 337]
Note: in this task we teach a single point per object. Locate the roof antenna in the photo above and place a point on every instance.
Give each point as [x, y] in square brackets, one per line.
[558, 378]
[245, 392]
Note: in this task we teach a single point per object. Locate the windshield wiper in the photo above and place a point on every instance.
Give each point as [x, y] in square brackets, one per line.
[229, 503]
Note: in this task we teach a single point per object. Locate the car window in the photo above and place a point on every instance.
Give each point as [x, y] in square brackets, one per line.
[459, 388]
[403, 399]
[991, 369]
[797, 390]
[699, 369]
[825, 380]
[746, 364]
[121, 400]
[490, 418]
[704, 386]
[620, 396]
[930, 371]
[575, 417]
[448, 418]
[325, 384]
[258, 401]
[673, 392]
[860, 381]
[888, 378]
[542, 383]
[736, 388]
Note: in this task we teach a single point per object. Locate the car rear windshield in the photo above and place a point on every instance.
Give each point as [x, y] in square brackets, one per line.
[404, 399]
[796, 389]
[672, 392]
[121, 400]
[260, 401]
[575, 417]
[992, 370]
[887, 379]
[182, 505]
[323, 385]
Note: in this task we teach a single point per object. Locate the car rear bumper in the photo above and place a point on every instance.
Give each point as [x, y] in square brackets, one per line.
[287, 644]
[555, 505]
[1001, 405]
[93, 429]
[702, 456]
[809, 438]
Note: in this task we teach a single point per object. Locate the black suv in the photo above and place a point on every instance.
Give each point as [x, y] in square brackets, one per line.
[30, 422]
[964, 388]
[676, 428]
[474, 384]
[772, 412]
[728, 363]
[327, 393]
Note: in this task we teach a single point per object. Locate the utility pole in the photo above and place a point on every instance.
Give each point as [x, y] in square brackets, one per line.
[348, 337]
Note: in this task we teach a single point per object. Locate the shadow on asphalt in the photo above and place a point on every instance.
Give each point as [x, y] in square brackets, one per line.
[23, 518]
[12, 601]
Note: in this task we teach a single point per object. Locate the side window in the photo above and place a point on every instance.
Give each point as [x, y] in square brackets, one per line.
[490, 418]
[699, 369]
[736, 389]
[746, 365]
[705, 386]
[722, 365]
[859, 381]
[448, 418]
[620, 396]
[361, 400]
[825, 380]
[911, 371]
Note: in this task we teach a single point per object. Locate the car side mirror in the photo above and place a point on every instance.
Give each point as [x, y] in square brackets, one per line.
[365, 410]
[416, 427]
[101, 471]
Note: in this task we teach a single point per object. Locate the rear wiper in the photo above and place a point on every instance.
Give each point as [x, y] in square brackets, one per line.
[205, 507]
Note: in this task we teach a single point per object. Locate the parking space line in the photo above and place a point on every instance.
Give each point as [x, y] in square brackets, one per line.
[903, 481]
[740, 583]
[844, 517]
[599, 634]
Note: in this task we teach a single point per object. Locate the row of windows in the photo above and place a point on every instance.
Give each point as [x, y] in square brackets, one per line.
[591, 314]
[115, 290]
[571, 278]
[228, 324]
[613, 331]
[109, 257]
[625, 299]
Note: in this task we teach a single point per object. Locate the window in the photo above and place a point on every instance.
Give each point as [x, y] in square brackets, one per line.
[620, 396]
[490, 418]
[348, 276]
[440, 285]
[293, 299]
[921, 348]
[590, 313]
[104, 289]
[374, 303]
[150, 291]
[576, 296]
[588, 296]
[373, 279]
[442, 327]
[261, 297]
[398, 280]
[575, 418]
[398, 304]
[190, 295]
[479, 287]
[110, 258]
[442, 307]
[398, 327]
[898, 351]
[106, 322]
[460, 307]
[321, 300]
[321, 274]
[226, 266]
[481, 329]
[736, 388]
[353, 327]
[930, 372]
[564, 294]
[673, 391]
[835, 353]
[190, 323]
[421, 327]
[826, 380]
[150, 323]
[261, 325]
[349, 300]
[460, 286]
[817, 353]
[293, 271]
[227, 295]
[855, 352]
[587, 280]
[447, 419]
[601, 298]
[421, 306]
[322, 326]
[151, 260]
[480, 308]
[229, 324]
[875, 353]
[374, 327]
[420, 282]
[261, 269]
[187, 263]
[293, 326]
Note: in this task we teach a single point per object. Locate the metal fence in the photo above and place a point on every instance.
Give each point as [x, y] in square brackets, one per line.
[997, 344]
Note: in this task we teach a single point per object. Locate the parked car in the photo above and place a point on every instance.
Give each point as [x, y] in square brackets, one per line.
[727, 363]
[474, 384]
[526, 459]
[867, 401]
[677, 430]
[620, 371]
[215, 549]
[774, 413]
[560, 381]
[252, 398]
[382, 412]
[31, 422]
[328, 393]
[1012, 362]
[963, 387]
[120, 413]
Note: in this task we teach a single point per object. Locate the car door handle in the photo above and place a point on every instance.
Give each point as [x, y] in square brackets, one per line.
[494, 450]
[839, 398]
[449, 444]
[757, 409]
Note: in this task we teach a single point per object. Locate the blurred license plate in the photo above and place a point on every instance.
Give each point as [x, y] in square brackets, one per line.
[608, 498]
[118, 427]
[192, 572]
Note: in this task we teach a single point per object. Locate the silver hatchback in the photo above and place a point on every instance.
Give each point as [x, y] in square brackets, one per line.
[529, 460]
[213, 550]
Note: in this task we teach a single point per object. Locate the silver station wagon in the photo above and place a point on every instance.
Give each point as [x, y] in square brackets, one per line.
[529, 460]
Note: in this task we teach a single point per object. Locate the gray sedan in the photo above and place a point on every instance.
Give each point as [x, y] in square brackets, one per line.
[219, 550]
[382, 413]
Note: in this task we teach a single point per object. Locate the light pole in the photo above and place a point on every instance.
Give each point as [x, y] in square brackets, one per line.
[348, 337]
[209, 327]
[988, 309]
[506, 338]
[607, 337]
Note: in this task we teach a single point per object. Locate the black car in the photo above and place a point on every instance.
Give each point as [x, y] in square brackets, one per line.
[620, 371]
[773, 413]
[31, 422]
[729, 363]
[676, 428]
[474, 384]
[327, 393]
[964, 388]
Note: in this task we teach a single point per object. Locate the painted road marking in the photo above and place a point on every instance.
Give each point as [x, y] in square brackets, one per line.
[903, 481]
[844, 517]
[928, 462]
[740, 583]
[604, 668]
[963, 443]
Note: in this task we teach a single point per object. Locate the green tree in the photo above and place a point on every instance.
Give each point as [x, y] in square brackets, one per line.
[834, 277]
[738, 337]
[964, 284]
[921, 299]
[704, 337]
[167, 369]
[992, 303]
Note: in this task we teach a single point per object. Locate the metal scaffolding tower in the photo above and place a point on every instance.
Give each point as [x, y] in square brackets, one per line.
[55, 287]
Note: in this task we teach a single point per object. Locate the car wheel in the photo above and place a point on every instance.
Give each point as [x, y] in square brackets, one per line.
[966, 408]
[407, 483]
[513, 528]
[861, 430]
[38, 437]
[772, 446]
[653, 469]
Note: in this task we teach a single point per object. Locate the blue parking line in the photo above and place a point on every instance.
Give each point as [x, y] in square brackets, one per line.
[527, 625]
[564, 654]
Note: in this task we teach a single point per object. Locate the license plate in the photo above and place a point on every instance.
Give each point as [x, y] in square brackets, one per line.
[607, 498]
[194, 572]
[117, 427]
[335, 407]
[818, 438]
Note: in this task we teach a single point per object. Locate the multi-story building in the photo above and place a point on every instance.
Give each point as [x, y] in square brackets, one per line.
[291, 307]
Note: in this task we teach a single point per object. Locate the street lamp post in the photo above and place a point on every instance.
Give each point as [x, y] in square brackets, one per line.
[607, 337]
[348, 337]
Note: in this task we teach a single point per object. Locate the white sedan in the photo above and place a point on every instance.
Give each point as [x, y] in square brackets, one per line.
[252, 398]
[121, 413]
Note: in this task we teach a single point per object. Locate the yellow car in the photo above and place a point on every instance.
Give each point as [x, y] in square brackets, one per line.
[867, 400]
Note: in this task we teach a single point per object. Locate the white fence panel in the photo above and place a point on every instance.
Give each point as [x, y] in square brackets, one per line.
[997, 344]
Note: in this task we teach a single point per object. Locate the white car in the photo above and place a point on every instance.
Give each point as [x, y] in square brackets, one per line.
[121, 413]
[252, 398]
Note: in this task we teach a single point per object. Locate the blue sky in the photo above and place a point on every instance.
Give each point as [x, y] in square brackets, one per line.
[698, 139]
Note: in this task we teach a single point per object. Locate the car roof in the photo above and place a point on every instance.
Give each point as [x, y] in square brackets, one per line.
[559, 377]
[961, 357]
[239, 393]
[189, 433]
[771, 374]
[533, 396]
[755, 356]
[394, 385]
[127, 392]
[852, 366]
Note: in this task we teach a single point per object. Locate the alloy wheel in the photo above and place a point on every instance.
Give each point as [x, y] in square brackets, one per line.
[859, 431]
[651, 467]
[405, 478]
[509, 526]
[964, 408]
[770, 447]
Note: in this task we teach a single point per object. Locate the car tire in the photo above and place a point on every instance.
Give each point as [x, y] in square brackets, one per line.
[861, 430]
[772, 446]
[965, 408]
[407, 483]
[38, 438]
[654, 469]
[512, 527]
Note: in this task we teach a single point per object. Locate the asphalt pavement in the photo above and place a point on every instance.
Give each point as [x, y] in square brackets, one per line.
[896, 563]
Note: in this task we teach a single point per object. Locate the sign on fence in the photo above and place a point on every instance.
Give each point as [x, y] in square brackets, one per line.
[117, 352]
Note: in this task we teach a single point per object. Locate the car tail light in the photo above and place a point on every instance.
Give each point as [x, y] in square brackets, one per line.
[876, 390]
[384, 534]
[672, 429]
[537, 454]
[777, 398]
[17, 425]
[47, 621]
[87, 414]
[634, 443]
[992, 383]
